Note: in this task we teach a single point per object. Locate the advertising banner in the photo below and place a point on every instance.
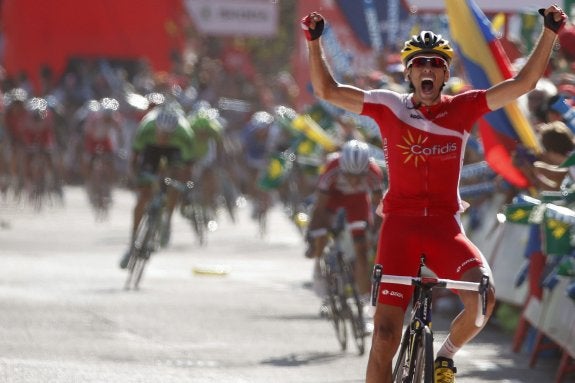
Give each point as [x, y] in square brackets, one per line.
[237, 18]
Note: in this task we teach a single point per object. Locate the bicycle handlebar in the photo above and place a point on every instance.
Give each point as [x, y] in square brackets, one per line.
[178, 185]
[435, 282]
[481, 287]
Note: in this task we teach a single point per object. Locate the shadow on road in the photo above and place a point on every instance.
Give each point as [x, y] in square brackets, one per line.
[296, 360]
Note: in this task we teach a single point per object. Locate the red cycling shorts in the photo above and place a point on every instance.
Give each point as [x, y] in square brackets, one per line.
[448, 252]
[95, 145]
[357, 208]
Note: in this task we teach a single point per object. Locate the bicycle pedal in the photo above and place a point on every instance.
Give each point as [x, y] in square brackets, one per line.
[368, 328]
[212, 226]
[324, 312]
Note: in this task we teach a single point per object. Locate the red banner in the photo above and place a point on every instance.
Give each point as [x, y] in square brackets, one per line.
[50, 32]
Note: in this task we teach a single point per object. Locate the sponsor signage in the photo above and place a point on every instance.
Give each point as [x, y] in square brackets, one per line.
[238, 17]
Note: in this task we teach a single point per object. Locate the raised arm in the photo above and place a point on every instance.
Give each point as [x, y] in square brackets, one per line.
[324, 85]
[509, 90]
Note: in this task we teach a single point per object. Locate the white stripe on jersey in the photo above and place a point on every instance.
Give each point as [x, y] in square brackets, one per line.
[403, 108]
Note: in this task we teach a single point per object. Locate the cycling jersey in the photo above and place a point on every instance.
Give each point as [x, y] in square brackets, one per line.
[205, 138]
[100, 133]
[258, 143]
[15, 119]
[333, 180]
[181, 138]
[39, 134]
[354, 199]
[424, 148]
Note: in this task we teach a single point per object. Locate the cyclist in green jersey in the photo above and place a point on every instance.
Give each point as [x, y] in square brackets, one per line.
[207, 152]
[163, 133]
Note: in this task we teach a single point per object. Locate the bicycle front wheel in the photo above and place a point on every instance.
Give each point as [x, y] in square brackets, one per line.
[199, 223]
[148, 232]
[401, 367]
[142, 248]
[337, 314]
[424, 369]
[353, 307]
[139, 271]
[414, 362]
[136, 265]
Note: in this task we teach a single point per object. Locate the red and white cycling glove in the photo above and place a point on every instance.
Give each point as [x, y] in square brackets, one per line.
[315, 33]
[550, 23]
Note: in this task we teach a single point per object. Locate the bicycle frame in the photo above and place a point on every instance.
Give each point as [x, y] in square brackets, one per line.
[101, 175]
[191, 208]
[147, 239]
[343, 296]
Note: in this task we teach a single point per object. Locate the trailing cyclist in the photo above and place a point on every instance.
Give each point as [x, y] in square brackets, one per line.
[163, 134]
[207, 151]
[351, 180]
[15, 117]
[261, 137]
[424, 134]
[42, 161]
[103, 138]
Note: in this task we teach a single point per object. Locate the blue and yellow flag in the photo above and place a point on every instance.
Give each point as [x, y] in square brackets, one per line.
[486, 64]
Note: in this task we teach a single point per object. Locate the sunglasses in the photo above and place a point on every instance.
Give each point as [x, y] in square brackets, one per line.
[422, 61]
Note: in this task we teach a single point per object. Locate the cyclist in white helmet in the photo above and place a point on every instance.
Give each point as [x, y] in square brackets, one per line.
[353, 181]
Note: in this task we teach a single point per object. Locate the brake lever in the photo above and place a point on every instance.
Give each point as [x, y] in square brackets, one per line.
[375, 280]
[484, 287]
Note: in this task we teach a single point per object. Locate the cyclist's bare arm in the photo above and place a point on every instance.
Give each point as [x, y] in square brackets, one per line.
[376, 196]
[526, 79]
[319, 219]
[326, 87]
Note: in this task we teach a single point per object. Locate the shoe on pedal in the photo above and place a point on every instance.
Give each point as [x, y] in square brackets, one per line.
[125, 259]
[444, 370]
[368, 327]
[324, 311]
[165, 234]
[309, 249]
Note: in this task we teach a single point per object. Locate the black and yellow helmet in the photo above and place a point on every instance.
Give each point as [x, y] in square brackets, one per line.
[426, 42]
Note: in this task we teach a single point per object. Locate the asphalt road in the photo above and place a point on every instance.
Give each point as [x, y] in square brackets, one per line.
[65, 317]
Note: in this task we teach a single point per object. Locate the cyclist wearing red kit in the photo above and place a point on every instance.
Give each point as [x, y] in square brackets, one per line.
[351, 180]
[424, 134]
[38, 139]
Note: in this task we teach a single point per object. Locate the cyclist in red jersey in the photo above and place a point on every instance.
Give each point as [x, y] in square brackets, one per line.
[103, 135]
[351, 180]
[424, 135]
[38, 137]
[14, 119]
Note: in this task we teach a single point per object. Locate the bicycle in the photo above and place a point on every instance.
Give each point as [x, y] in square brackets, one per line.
[192, 209]
[149, 232]
[343, 299]
[229, 196]
[99, 184]
[45, 186]
[415, 361]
